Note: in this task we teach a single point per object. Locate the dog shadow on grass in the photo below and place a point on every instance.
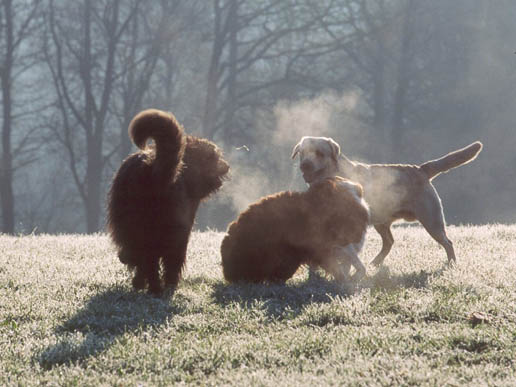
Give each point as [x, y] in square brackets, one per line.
[289, 299]
[383, 279]
[279, 300]
[106, 317]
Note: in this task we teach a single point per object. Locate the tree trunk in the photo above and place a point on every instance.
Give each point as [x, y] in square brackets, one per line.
[403, 77]
[231, 105]
[93, 184]
[6, 168]
[379, 97]
[6, 180]
[209, 121]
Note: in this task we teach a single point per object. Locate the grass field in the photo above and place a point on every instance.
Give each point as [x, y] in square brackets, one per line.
[69, 317]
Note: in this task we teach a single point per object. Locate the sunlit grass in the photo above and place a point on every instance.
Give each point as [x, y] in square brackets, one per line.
[68, 316]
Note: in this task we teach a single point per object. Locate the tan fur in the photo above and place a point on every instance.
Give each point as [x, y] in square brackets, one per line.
[273, 237]
[393, 191]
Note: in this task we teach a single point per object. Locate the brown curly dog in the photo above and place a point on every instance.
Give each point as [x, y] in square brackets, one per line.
[324, 226]
[155, 195]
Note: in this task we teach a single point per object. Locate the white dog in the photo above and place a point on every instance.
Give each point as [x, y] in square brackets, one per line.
[393, 191]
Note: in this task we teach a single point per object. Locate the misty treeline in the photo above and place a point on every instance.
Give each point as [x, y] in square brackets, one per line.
[399, 81]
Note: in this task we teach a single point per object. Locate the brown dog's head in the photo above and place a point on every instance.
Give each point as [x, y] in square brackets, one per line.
[318, 157]
[204, 168]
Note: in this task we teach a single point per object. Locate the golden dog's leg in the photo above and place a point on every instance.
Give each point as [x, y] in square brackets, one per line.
[332, 265]
[349, 255]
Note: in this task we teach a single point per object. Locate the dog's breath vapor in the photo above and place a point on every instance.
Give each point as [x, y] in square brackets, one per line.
[312, 116]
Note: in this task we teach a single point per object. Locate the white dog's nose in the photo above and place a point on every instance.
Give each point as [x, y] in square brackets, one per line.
[306, 166]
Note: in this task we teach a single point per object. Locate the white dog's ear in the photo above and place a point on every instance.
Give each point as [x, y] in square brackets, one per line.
[295, 151]
[335, 148]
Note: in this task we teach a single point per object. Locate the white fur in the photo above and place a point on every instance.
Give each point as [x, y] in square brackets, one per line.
[323, 153]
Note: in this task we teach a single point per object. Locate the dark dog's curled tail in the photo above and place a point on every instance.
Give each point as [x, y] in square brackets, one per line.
[452, 160]
[168, 136]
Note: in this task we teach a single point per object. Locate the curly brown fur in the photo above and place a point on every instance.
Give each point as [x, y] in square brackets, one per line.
[155, 195]
[273, 237]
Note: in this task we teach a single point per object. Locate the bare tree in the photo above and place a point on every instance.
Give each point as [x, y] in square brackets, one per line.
[403, 78]
[419, 70]
[147, 60]
[249, 37]
[382, 52]
[369, 22]
[81, 56]
[17, 24]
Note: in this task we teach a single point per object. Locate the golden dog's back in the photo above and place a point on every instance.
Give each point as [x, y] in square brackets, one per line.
[332, 212]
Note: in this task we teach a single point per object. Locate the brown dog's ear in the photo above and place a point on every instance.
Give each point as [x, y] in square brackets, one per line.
[295, 151]
[335, 149]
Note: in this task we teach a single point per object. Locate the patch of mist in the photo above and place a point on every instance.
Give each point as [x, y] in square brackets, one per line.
[312, 117]
[252, 177]
[247, 185]
[264, 165]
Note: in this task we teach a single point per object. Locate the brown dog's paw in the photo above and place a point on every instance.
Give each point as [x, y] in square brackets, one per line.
[138, 282]
[155, 290]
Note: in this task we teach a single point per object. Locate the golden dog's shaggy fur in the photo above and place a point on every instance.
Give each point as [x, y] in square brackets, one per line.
[273, 237]
[155, 195]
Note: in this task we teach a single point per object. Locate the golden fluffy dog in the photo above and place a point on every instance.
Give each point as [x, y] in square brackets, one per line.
[155, 195]
[273, 237]
[393, 191]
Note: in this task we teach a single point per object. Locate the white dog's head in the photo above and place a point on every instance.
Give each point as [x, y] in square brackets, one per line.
[318, 157]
